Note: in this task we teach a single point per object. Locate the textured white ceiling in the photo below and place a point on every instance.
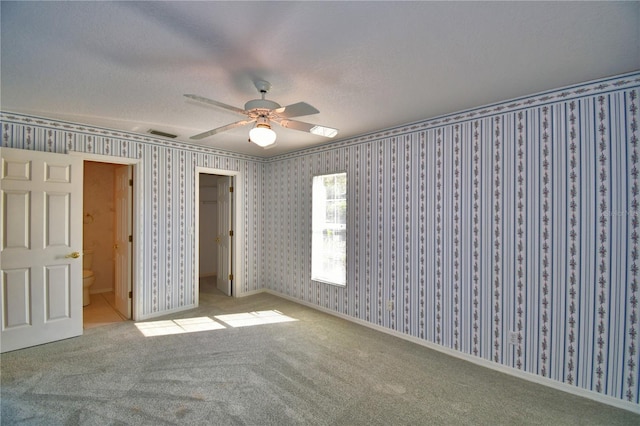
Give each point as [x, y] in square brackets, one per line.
[365, 65]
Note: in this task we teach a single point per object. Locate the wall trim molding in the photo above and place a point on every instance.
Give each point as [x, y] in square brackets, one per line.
[475, 360]
[96, 131]
[575, 91]
[253, 293]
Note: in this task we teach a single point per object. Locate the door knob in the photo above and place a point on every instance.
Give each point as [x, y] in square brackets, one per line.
[73, 255]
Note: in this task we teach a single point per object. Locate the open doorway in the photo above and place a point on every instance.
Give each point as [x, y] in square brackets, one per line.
[215, 234]
[107, 243]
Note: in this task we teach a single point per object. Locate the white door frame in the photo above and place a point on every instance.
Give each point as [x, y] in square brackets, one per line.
[137, 305]
[237, 246]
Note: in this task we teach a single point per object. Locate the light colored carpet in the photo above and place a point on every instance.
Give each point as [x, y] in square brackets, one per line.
[316, 370]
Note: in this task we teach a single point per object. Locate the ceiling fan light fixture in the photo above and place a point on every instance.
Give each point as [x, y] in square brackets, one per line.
[262, 134]
[261, 112]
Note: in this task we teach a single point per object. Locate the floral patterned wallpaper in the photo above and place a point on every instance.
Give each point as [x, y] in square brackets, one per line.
[166, 279]
[506, 233]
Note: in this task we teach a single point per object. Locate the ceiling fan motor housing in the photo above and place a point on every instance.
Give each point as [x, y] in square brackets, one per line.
[261, 104]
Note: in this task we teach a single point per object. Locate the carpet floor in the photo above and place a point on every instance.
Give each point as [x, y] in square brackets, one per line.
[263, 360]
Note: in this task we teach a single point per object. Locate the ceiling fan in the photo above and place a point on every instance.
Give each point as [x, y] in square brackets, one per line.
[263, 112]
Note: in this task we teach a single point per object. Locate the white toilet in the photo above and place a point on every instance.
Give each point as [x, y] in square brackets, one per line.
[87, 276]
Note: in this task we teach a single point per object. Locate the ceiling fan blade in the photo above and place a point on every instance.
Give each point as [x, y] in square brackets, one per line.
[296, 110]
[221, 129]
[216, 103]
[328, 132]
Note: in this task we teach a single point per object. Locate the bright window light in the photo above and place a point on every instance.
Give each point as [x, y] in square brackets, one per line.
[323, 131]
[329, 229]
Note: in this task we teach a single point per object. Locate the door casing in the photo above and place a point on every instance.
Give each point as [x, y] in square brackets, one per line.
[136, 257]
[237, 211]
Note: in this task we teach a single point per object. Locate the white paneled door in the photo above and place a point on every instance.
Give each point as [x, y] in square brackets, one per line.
[225, 234]
[124, 239]
[41, 248]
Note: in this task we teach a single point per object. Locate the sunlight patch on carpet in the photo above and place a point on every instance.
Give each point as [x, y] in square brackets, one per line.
[192, 325]
[247, 319]
[178, 326]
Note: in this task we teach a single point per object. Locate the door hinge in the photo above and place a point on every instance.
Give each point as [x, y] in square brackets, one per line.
[230, 277]
[130, 182]
[130, 238]
[130, 295]
[231, 233]
[231, 189]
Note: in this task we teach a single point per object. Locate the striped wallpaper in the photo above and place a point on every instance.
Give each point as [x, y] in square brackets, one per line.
[508, 232]
[167, 278]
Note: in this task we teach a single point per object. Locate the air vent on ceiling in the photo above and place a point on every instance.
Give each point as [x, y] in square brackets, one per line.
[163, 134]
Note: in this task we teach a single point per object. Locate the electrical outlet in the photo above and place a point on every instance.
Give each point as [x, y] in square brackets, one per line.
[512, 338]
[389, 305]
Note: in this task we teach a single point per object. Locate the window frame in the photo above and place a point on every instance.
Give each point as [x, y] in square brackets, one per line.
[314, 277]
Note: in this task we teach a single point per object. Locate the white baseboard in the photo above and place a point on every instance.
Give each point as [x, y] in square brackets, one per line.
[475, 360]
[252, 292]
[163, 313]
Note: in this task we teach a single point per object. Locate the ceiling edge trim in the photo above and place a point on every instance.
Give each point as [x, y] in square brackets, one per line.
[96, 131]
[576, 91]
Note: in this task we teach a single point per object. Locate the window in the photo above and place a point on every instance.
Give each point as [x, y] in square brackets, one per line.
[329, 229]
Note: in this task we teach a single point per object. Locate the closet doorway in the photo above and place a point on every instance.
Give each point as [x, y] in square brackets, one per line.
[215, 232]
